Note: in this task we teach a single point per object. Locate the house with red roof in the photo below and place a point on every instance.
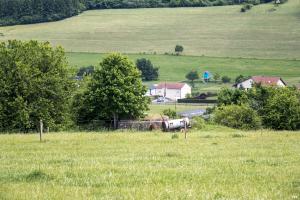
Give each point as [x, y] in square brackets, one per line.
[263, 80]
[170, 90]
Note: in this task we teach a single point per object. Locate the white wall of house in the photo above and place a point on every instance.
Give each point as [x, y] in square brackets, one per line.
[175, 93]
[247, 84]
[280, 83]
[186, 89]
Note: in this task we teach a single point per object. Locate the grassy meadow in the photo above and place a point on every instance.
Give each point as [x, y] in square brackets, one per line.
[215, 163]
[221, 31]
[174, 68]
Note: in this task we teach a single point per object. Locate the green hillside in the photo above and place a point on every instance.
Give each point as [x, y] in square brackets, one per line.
[222, 31]
[174, 68]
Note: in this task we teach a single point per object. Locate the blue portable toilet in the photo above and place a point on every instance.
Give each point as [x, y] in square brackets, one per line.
[206, 76]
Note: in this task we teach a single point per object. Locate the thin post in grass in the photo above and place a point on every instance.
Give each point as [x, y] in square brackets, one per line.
[185, 135]
[41, 129]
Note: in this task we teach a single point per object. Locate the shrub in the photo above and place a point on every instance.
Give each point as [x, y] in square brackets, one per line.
[282, 110]
[226, 79]
[237, 116]
[170, 113]
[198, 123]
[175, 136]
[178, 49]
[246, 7]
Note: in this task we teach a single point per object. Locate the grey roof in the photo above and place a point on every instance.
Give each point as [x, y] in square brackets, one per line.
[192, 113]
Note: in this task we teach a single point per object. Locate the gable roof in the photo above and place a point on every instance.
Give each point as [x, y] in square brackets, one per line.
[177, 86]
[267, 80]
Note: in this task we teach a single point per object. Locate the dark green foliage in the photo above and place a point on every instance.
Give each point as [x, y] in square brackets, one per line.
[86, 71]
[35, 11]
[115, 91]
[246, 7]
[170, 113]
[237, 116]
[279, 108]
[226, 79]
[241, 78]
[178, 49]
[192, 76]
[229, 96]
[282, 110]
[34, 85]
[149, 72]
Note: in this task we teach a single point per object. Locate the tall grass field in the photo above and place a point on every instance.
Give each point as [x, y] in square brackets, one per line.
[263, 32]
[215, 163]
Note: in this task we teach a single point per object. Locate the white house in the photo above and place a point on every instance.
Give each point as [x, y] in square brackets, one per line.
[264, 80]
[172, 91]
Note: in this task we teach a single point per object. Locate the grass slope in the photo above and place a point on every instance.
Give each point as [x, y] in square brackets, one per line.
[174, 68]
[212, 164]
[214, 31]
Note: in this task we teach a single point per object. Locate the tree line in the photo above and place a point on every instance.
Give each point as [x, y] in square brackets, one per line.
[35, 11]
[36, 85]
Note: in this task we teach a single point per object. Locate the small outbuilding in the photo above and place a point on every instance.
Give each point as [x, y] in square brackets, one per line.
[170, 90]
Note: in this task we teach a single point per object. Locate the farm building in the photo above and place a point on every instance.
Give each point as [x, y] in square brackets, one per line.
[172, 91]
[264, 80]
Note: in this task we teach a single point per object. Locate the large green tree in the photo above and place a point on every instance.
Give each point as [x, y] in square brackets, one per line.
[116, 91]
[34, 85]
[149, 72]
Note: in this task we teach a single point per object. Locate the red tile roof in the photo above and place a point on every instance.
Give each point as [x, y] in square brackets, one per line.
[266, 80]
[177, 86]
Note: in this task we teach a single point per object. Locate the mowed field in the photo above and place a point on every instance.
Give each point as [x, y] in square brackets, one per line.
[216, 163]
[213, 31]
[174, 68]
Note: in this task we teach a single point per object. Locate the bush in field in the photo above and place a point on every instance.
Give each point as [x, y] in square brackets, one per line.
[237, 116]
[170, 113]
[198, 123]
[178, 49]
[216, 77]
[282, 110]
[246, 7]
[226, 79]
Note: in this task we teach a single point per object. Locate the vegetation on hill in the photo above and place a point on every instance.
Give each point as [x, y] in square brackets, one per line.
[35, 11]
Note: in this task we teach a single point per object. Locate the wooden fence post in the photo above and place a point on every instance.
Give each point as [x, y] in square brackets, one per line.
[185, 136]
[41, 129]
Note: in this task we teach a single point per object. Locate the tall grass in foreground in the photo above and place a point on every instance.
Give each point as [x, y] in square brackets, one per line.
[212, 164]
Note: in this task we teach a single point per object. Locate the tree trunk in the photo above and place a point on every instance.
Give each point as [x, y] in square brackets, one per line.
[115, 120]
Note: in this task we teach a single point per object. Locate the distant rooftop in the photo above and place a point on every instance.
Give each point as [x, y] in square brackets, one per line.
[170, 85]
[266, 80]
